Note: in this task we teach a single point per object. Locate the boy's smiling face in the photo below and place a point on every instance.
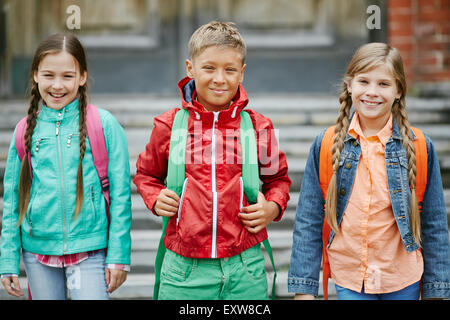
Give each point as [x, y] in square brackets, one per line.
[217, 72]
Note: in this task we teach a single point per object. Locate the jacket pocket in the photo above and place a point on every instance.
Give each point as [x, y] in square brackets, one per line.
[30, 216]
[89, 214]
[42, 151]
[87, 220]
[93, 202]
[181, 200]
[73, 140]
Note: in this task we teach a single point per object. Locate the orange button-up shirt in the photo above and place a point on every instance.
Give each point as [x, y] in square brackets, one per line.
[368, 249]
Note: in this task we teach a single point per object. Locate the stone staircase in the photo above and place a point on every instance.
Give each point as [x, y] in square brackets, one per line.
[299, 118]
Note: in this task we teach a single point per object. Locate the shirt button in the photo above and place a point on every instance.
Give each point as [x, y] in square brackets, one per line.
[342, 192]
[60, 114]
[355, 143]
[348, 165]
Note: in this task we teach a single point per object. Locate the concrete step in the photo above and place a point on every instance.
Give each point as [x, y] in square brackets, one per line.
[140, 286]
[294, 110]
[143, 219]
[298, 118]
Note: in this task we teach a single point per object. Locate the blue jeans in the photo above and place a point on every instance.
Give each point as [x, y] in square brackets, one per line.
[411, 292]
[84, 281]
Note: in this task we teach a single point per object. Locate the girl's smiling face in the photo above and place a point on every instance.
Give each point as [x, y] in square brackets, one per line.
[373, 94]
[58, 78]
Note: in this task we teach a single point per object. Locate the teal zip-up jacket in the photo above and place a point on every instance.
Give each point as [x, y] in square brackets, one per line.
[49, 226]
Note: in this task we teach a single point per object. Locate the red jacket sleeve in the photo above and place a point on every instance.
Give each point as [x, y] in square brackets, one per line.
[151, 166]
[273, 168]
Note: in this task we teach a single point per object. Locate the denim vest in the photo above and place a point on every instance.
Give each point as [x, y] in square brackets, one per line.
[307, 242]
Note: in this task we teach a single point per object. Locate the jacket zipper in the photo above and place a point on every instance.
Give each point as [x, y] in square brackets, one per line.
[181, 200]
[241, 181]
[214, 188]
[62, 183]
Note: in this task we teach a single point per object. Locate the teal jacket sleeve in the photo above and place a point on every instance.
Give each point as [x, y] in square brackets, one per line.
[119, 243]
[11, 240]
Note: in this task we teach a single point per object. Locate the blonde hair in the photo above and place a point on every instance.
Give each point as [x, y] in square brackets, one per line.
[216, 33]
[366, 58]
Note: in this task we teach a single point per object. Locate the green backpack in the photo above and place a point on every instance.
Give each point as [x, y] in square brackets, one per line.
[176, 177]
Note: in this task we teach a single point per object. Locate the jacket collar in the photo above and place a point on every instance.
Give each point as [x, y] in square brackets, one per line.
[395, 131]
[69, 110]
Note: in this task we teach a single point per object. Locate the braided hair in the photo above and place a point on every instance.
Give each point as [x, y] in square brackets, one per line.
[366, 58]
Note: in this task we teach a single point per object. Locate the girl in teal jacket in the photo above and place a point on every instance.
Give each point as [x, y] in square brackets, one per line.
[56, 213]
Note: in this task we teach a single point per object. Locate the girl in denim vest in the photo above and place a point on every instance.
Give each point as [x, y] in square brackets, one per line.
[56, 213]
[380, 245]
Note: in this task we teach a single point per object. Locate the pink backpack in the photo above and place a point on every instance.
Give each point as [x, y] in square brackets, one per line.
[96, 140]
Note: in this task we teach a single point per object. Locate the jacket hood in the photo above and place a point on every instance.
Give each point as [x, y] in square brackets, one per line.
[189, 93]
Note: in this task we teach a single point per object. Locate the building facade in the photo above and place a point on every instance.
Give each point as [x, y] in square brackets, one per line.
[139, 46]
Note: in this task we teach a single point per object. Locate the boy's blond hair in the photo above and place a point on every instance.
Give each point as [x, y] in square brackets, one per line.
[216, 33]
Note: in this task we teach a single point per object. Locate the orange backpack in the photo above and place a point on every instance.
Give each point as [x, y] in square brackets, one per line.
[326, 171]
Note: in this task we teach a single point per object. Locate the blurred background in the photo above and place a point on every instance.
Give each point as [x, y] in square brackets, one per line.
[298, 51]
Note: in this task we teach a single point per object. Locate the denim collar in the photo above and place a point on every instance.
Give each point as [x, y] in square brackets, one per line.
[395, 131]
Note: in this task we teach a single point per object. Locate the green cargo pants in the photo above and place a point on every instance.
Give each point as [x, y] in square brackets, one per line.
[240, 277]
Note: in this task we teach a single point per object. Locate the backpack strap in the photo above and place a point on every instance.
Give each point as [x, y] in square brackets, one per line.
[250, 171]
[325, 173]
[21, 128]
[98, 148]
[420, 146]
[250, 176]
[175, 179]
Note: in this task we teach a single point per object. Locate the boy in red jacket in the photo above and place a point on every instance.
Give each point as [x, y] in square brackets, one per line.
[213, 237]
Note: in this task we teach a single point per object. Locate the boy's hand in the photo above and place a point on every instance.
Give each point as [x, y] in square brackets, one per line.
[257, 216]
[167, 203]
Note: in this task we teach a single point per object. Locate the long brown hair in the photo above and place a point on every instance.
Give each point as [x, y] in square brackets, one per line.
[367, 57]
[53, 44]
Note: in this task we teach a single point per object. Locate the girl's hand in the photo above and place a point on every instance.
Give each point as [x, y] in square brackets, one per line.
[114, 278]
[257, 216]
[300, 296]
[15, 289]
[167, 203]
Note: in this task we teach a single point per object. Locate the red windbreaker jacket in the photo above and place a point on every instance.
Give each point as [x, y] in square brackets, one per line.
[207, 224]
